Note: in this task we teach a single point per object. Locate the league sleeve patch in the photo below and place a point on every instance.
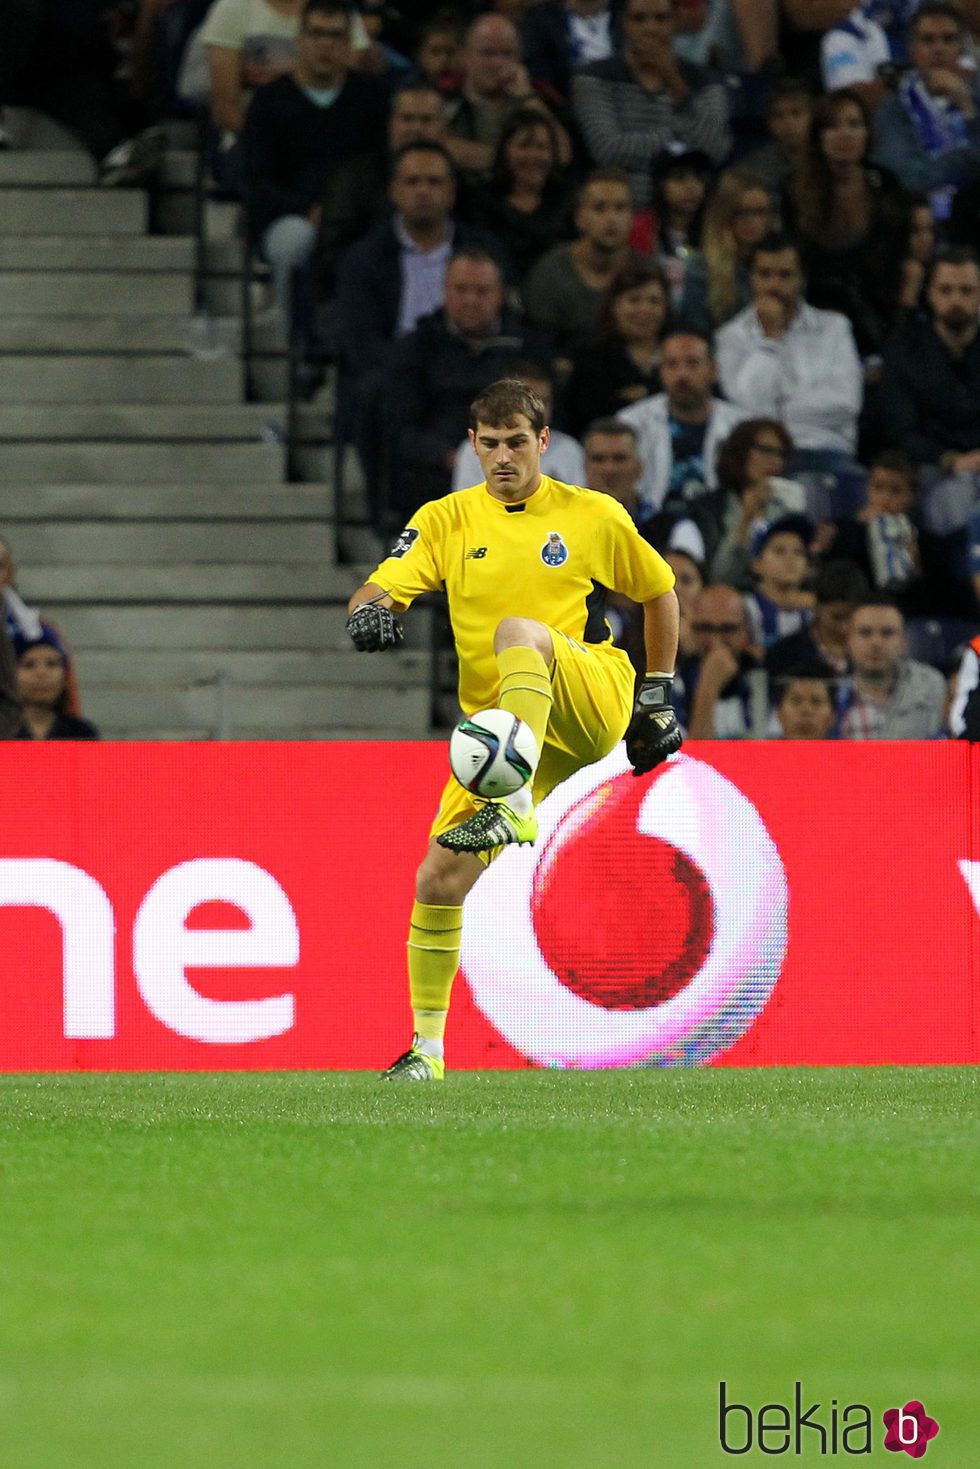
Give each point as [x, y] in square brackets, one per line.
[404, 543]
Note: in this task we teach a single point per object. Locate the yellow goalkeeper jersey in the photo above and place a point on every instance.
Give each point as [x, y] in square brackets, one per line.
[552, 557]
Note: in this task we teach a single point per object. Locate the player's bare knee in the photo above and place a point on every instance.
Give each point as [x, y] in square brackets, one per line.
[524, 632]
[444, 878]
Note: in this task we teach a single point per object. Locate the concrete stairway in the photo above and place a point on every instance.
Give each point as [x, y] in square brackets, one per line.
[145, 502]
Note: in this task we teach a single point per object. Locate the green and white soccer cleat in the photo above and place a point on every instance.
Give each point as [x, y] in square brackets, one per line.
[496, 824]
[414, 1066]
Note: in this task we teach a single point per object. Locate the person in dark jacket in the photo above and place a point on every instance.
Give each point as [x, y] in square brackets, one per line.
[42, 684]
[436, 371]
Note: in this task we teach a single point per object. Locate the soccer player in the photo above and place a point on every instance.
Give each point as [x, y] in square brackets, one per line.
[525, 561]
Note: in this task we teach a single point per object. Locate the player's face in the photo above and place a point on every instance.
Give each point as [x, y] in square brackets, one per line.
[510, 457]
[605, 215]
[889, 493]
[876, 642]
[613, 466]
[806, 711]
[40, 676]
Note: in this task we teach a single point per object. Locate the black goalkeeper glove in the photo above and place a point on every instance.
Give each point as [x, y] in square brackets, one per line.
[653, 732]
[373, 628]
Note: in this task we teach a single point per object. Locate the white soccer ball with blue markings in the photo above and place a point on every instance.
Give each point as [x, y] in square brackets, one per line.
[492, 753]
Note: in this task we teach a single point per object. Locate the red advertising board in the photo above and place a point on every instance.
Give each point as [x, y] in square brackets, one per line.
[244, 906]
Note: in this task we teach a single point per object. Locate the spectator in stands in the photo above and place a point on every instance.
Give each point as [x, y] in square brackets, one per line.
[437, 54]
[356, 197]
[720, 692]
[631, 106]
[780, 605]
[19, 620]
[821, 646]
[436, 371]
[930, 389]
[964, 714]
[621, 364]
[689, 581]
[852, 222]
[789, 115]
[881, 538]
[395, 275]
[787, 360]
[495, 84]
[928, 131]
[887, 696]
[42, 682]
[918, 252]
[563, 459]
[526, 203]
[682, 178]
[561, 35]
[679, 429]
[754, 492]
[11, 708]
[298, 130]
[566, 290]
[612, 464]
[853, 54]
[805, 707]
[740, 213]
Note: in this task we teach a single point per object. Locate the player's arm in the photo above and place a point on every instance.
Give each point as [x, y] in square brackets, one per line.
[653, 732]
[371, 622]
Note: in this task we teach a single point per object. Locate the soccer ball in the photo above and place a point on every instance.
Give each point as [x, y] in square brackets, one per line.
[492, 753]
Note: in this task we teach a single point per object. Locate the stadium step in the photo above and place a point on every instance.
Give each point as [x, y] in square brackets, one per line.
[178, 542]
[282, 582]
[96, 293]
[247, 666]
[127, 335]
[225, 707]
[95, 253]
[205, 500]
[261, 628]
[80, 379]
[113, 422]
[122, 463]
[44, 168]
[73, 212]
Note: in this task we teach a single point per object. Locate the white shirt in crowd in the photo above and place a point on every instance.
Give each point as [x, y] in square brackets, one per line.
[650, 418]
[852, 52]
[810, 379]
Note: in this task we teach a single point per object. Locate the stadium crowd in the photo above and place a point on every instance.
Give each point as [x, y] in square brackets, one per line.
[734, 241]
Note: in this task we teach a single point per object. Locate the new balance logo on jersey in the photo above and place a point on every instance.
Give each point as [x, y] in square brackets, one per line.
[477, 554]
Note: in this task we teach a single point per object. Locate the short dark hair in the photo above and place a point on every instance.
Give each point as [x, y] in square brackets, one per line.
[477, 255]
[505, 400]
[422, 145]
[803, 673]
[787, 87]
[775, 243]
[325, 7]
[680, 330]
[733, 452]
[840, 581]
[899, 463]
[605, 175]
[638, 272]
[614, 427]
[950, 255]
[943, 10]
[878, 599]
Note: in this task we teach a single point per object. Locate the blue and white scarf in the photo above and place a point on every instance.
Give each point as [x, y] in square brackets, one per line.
[940, 130]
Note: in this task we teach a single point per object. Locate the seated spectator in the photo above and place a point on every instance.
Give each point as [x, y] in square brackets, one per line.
[740, 213]
[881, 539]
[679, 430]
[689, 581]
[964, 714]
[753, 493]
[805, 707]
[787, 360]
[918, 251]
[789, 114]
[852, 222]
[780, 605]
[681, 182]
[299, 128]
[42, 682]
[720, 691]
[437, 54]
[930, 390]
[22, 621]
[356, 194]
[612, 464]
[887, 696]
[632, 106]
[821, 646]
[560, 35]
[527, 202]
[927, 133]
[494, 85]
[621, 364]
[853, 54]
[566, 290]
[563, 459]
[436, 371]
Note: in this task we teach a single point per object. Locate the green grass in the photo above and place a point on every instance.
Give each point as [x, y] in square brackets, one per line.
[523, 1271]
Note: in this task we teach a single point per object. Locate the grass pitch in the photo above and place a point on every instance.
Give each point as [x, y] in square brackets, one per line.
[534, 1270]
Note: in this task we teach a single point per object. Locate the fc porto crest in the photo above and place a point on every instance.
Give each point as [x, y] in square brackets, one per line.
[554, 552]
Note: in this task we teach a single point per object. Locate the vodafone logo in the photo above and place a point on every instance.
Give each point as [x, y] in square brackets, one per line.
[647, 926]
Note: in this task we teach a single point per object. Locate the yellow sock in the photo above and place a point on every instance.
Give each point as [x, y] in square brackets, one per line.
[525, 688]
[433, 957]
